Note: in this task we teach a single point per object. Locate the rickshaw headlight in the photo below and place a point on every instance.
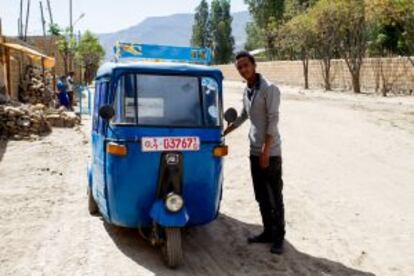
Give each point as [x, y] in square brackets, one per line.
[174, 202]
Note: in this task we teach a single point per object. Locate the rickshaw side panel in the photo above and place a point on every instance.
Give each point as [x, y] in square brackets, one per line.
[98, 174]
[97, 168]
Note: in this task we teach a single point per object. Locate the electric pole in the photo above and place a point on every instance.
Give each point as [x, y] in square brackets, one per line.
[21, 20]
[27, 19]
[42, 18]
[70, 19]
[50, 12]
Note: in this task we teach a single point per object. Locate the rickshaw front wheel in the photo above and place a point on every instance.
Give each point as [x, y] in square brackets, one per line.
[172, 249]
[92, 206]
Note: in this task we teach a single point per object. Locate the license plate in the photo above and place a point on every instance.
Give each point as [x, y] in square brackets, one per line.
[151, 144]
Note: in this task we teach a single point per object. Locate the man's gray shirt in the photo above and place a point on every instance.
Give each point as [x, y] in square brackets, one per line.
[263, 111]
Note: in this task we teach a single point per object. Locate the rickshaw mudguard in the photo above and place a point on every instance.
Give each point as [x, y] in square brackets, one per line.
[165, 218]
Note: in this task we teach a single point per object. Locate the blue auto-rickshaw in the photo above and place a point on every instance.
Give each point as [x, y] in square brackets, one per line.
[157, 143]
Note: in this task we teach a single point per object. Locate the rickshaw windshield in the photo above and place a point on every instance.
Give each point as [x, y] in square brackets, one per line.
[164, 100]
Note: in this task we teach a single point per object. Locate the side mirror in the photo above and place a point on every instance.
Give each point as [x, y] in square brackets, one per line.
[106, 112]
[230, 115]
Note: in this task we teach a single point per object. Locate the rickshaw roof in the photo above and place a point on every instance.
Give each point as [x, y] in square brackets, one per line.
[107, 69]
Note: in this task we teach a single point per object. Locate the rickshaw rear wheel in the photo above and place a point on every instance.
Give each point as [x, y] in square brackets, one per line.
[92, 206]
[172, 249]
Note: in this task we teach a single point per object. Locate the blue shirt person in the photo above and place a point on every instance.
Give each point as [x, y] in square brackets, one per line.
[63, 94]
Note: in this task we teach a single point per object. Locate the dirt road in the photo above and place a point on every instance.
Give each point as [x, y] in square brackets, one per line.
[349, 189]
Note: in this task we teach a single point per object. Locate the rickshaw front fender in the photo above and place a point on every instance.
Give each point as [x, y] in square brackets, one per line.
[165, 218]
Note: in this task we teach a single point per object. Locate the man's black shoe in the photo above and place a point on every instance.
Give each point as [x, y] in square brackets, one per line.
[262, 238]
[277, 248]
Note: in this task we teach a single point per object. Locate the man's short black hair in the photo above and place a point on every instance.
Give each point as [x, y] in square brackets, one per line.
[243, 54]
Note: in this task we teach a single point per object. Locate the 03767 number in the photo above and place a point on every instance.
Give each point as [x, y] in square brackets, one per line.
[170, 144]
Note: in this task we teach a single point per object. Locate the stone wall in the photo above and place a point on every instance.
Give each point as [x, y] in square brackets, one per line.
[396, 73]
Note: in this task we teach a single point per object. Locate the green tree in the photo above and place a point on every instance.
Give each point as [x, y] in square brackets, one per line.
[327, 24]
[201, 28]
[298, 37]
[297, 7]
[89, 55]
[406, 10]
[409, 36]
[254, 37]
[65, 44]
[268, 16]
[222, 38]
[391, 25]
[54, 29]
[354, 38]
[386, 27]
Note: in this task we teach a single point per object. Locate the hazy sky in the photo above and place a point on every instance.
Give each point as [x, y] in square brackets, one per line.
[101, 16]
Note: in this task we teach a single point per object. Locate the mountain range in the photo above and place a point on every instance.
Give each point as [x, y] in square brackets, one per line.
[172, 30]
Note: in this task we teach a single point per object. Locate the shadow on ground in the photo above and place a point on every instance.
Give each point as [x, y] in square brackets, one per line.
[220, 248]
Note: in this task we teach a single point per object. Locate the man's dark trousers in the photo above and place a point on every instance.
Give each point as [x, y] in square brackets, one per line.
[268, 186]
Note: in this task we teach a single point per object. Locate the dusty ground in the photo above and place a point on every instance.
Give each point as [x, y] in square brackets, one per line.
[349, 189]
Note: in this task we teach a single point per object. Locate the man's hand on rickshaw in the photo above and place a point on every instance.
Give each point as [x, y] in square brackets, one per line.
[229, 129]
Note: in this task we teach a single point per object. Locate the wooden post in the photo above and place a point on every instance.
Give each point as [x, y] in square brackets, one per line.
[80, 65]
[27, 20]
[43, 19]
[7, 64]
[42, 60]
[21, 20]
[53, 78]
[50, 12]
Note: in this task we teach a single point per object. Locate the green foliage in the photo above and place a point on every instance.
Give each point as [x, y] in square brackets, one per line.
[223, 41]
[201, 28]
[391, 27]
[330, 29]
[297, 7]
[298, 41]
[65, 43]
[55, 30]
[298, 37]
[254, 37]
[213, 29]
[89, 54]
[327, 22]
[408, 22]
[264, 11]
[268, 16]
[354, 37]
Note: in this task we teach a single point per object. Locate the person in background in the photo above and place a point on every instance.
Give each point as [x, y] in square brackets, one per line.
[261, 100]
[62, 93]
[70, 88]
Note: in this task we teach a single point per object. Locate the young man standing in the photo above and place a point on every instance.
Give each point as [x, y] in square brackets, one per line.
[70, 87]
[261, 100]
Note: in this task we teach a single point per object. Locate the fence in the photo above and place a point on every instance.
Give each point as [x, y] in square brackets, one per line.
[392, 74]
